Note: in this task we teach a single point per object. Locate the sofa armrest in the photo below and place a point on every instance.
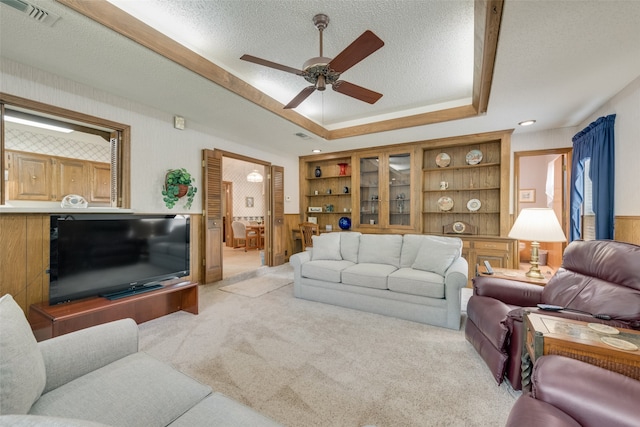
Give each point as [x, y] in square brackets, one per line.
[591, 395]
[508, 291]
[296, 260]
[73, 355]
[457, 274]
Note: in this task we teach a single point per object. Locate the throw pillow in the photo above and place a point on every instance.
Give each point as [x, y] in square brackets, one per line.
[349, 244]
[22, 372]
[326, 247]
[380, 249]
[436, 256]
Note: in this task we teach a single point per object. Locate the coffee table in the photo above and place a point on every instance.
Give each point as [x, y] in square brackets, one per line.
[578, 340]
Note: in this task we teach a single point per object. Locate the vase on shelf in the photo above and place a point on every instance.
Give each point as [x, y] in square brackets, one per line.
[344, 223]
[343, 168]
[318, 172]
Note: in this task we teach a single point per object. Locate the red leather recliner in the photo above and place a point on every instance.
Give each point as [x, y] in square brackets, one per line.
[597, 277]
[570, 393]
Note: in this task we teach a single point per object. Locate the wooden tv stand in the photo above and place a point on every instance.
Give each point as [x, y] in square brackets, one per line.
[48, 321]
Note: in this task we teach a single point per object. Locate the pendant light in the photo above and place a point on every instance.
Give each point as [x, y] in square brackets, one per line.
[254, 176]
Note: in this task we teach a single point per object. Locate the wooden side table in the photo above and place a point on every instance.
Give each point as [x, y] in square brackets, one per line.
[575, 339]
[517, 275]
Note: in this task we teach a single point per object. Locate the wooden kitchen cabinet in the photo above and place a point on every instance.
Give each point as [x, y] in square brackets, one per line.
[38, 177]
[29, 176]
[100, 182]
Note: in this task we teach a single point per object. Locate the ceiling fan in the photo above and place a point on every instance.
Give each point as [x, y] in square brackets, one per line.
[322, 71]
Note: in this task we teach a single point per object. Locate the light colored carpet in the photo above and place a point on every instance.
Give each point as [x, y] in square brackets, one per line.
[257, 286]
[304, 363]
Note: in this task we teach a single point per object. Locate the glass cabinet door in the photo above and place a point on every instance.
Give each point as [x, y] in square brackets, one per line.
[369, 191]
[399, 189]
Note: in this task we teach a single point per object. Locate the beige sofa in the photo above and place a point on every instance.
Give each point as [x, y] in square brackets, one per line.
[97, 377]
[414, 277]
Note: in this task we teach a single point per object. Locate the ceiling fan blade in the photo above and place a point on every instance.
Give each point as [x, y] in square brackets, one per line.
[304, 94]
[355, 91]
[270, 64]
[361, 47]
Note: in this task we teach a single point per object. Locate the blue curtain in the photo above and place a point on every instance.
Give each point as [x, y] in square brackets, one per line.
[595, 142]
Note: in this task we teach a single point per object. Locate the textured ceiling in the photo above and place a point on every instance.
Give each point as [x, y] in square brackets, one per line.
[557, 62]
[415, 68]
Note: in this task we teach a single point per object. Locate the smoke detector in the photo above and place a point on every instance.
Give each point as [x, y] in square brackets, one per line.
[34, 12]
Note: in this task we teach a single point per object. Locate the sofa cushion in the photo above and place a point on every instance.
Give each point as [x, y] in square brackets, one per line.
[22, 372]
[329, 271]
[131, 391]
[380, 249]
[349, 244]
[437, 255]
[367, 275]
[416, 282]
[326, 246]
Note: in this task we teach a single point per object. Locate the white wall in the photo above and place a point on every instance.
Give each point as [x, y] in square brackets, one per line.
[155, 145]
[626, 106]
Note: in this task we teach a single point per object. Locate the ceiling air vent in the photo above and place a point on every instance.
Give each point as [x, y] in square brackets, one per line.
[299, 134]
[35, 12]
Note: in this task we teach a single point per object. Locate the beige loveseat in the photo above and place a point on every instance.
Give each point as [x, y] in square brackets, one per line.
[414, 277]
[97, 377]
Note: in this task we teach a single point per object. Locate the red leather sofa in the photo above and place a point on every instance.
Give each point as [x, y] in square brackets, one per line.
[570, 393]
[597, 277]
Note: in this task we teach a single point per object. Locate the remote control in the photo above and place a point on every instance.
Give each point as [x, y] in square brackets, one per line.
[550, 307]
[488, 267]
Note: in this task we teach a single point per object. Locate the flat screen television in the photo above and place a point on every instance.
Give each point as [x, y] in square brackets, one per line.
[115, 254]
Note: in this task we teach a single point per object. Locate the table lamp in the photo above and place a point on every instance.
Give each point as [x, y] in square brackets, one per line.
[537, 225]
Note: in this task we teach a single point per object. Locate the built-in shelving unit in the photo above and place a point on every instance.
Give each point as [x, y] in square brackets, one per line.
[327, 197]
[472, 192]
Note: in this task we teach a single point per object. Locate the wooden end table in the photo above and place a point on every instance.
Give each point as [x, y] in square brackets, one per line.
[517, 275]
[575, 339]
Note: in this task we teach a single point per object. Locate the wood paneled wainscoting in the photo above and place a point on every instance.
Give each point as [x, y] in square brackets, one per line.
[24, 256]
[627, 229]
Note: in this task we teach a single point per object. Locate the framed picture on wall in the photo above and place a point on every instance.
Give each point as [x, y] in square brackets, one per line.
[527, 196]
[248, 201]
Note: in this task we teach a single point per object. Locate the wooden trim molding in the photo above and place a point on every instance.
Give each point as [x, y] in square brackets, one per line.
[487, 21]
[627, 229]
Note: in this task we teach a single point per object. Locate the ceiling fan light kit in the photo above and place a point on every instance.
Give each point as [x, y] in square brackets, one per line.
[321, 71]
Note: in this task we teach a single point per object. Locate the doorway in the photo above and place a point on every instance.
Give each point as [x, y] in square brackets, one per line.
[244, 201]
[541, 180]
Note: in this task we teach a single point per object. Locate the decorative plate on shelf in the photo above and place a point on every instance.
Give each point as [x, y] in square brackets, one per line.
[473, 205]
[445, 203]
[474, 157]
[443, 160]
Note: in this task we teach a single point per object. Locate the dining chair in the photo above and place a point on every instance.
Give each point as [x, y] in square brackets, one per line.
[308, 229]
[239, 234]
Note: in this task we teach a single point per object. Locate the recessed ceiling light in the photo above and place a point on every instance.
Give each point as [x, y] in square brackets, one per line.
[527, 123]
[316, 150]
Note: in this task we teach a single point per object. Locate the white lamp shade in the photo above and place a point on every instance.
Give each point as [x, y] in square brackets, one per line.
[537, 225]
